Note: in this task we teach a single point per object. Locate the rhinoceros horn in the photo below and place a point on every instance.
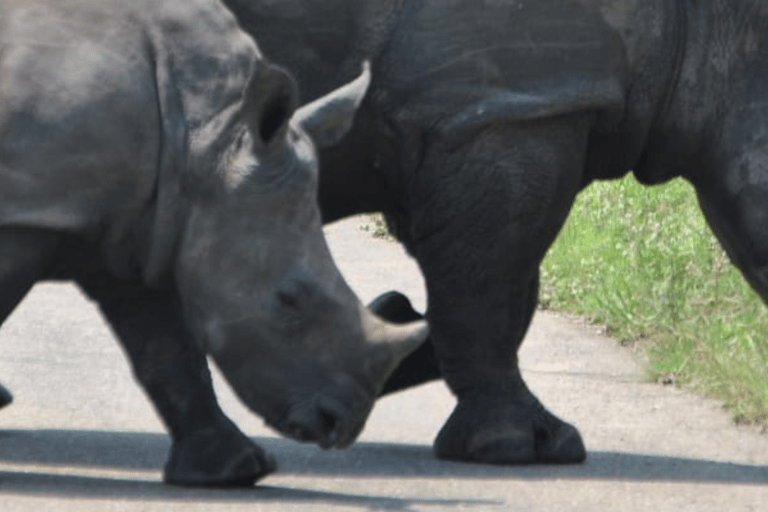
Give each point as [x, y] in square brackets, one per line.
[329, 118]
[390, 343]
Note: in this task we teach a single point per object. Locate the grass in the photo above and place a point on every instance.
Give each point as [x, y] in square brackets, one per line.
[377, 227]
[643, 262]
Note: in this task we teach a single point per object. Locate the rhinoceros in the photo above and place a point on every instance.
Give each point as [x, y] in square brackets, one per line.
[485, 119]
[151, 155]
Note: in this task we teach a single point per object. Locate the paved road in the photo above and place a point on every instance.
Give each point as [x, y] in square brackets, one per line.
[81, 436]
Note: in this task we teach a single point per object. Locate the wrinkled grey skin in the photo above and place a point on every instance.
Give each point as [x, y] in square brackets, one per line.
[151, 155]
[486, 118]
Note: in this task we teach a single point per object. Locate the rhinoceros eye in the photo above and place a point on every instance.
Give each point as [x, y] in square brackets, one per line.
[293, 294]
[288, 299]
[291, 308]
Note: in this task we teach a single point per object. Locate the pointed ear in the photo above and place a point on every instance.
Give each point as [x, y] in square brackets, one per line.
[270, 100]
[329, 118]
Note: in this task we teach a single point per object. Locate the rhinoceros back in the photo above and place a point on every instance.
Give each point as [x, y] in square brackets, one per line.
[529, 59]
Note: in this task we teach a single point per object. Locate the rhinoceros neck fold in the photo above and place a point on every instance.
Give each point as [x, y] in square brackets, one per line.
[200, 84]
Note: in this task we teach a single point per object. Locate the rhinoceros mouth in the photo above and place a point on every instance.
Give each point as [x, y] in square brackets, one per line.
[326, 421]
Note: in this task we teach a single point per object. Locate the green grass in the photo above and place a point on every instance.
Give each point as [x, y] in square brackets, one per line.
[376, 225]
[642, 261]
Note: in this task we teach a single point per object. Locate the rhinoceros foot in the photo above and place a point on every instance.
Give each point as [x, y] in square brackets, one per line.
[495, 431]
[5, 396]
[217, 457]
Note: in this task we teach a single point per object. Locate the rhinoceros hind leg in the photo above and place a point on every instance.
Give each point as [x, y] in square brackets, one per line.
[421, 365]
[220, 457]
[490, 210]
[5, 396]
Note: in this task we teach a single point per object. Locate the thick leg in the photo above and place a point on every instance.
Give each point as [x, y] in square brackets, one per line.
[734, 199]
[482, 218]
[421, 365]
[25, 256]
[208, 449]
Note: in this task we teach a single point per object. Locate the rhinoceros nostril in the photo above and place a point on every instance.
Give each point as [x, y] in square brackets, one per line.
[300, 426]
[314, 424]
[335, 418]
[299, 433]
[328, 420]
[330, 425]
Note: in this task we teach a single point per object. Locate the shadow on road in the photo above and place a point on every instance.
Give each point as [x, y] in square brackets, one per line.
[147, 451]
[68, 486]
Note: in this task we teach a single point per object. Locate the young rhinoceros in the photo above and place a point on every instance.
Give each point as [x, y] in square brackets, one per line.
[151, 155]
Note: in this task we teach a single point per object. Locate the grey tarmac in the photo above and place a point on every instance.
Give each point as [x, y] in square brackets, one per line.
[81, 436]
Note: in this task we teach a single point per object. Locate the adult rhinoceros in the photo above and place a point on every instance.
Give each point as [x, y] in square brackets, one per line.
[150, 154]
[486, 118]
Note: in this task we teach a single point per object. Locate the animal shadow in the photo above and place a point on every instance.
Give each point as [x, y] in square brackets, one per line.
[74, 463]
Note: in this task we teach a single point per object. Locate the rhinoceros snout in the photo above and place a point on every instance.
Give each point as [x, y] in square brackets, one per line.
[317, 426]
[331, 422]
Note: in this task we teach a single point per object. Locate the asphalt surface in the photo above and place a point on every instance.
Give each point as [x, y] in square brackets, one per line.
[81, 436]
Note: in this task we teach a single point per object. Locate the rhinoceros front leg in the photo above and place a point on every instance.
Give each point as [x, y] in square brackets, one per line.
[25, 256]
[483, 215]
[208, 449]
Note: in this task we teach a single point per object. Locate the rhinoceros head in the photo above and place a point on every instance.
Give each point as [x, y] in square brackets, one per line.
[260, 290]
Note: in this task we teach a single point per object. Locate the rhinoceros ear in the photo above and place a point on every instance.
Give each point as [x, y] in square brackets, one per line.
[269, 102]
[329, 118]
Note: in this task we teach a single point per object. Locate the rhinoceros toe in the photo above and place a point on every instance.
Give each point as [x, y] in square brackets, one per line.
[498, 432]
[561, 445]
[216, 457]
